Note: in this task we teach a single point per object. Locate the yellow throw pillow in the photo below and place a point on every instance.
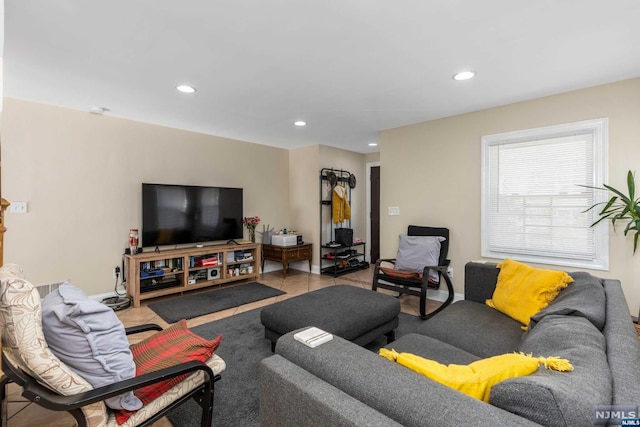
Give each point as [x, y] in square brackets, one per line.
[477, 378]
[522, 291]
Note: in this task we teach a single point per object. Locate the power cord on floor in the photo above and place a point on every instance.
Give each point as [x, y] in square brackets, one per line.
[120, 301]
[115, 287]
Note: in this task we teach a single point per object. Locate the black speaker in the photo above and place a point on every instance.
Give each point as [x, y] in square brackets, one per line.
[213, 273]
[344, 236]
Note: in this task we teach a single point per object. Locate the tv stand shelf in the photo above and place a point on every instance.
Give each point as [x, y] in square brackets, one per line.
[154, 274]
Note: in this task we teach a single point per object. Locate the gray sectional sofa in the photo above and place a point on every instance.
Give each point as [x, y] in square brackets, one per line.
[342, 384]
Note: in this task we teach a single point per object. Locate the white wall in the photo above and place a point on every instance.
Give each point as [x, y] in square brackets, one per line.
[81, 175]
[431, 170]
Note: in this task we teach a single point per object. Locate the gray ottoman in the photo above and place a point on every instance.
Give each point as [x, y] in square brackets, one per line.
[355, 314]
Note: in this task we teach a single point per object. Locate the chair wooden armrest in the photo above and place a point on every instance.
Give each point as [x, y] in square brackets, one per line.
[142, 328]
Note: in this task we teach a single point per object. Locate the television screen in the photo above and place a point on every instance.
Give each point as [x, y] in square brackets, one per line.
[178, 214]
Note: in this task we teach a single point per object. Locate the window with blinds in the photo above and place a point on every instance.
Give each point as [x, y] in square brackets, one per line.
[535, 191]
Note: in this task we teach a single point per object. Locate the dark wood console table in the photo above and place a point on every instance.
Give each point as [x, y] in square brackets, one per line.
[286, 254]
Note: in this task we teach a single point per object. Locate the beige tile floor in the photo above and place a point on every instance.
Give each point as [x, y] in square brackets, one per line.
[23, 414]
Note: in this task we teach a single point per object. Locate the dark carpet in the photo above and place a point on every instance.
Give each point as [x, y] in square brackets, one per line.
[199, 304]
[243, 346]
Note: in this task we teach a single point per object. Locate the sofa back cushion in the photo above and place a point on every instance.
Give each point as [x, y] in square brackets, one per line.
[480, 280]
[560, 398]
[584, 297]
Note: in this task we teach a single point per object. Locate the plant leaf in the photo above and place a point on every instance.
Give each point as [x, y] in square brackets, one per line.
[613, 190]
[611, 202]
[620, 207]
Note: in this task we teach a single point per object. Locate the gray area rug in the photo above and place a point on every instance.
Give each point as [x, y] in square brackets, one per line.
[199, 304]
[243, 346]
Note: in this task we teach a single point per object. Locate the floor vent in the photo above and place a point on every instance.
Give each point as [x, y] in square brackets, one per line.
[45, 290]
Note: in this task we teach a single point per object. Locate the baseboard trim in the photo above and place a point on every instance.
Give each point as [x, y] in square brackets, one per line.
[440, 295]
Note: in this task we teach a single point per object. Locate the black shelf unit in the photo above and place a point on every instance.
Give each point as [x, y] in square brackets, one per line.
[337, 255]
[333, 257]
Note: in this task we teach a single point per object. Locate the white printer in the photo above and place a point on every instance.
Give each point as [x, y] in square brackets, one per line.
[286, 239]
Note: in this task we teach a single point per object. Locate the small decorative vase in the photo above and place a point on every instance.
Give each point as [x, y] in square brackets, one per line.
[252, 235]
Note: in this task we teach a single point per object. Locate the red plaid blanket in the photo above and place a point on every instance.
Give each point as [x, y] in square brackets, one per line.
[172, 346]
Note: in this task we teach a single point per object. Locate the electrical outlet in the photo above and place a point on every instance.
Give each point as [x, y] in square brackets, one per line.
[116, 272]
[450, 272]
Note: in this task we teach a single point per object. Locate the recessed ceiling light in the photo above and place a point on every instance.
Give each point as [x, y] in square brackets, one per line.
[464, 75]
[98, 110]
[373, 144]
[185, 89]
[300, 123]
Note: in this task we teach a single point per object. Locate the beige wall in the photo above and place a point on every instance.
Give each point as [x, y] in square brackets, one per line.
[432, 170]
[372, 157]
[305, 208]
[81, 175]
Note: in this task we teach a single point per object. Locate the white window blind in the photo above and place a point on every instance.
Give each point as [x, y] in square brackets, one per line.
[534, 197]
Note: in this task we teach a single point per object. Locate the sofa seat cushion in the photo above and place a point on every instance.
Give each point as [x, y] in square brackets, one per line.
[560, 398]
[431, 348]
[584, 297]
[475, 328]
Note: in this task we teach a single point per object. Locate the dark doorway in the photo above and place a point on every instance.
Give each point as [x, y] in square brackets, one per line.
[375, 213]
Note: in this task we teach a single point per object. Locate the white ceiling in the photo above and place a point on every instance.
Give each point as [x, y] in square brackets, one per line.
[350, 68]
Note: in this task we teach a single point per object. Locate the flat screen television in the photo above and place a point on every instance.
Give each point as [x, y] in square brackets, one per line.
[180, 214]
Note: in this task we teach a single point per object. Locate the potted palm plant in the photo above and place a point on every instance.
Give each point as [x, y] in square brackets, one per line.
[621, 207]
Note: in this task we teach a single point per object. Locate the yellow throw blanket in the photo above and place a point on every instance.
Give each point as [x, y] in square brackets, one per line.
[477, 378]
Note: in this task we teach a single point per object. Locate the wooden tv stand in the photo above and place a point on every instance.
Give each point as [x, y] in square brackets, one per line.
[154, 274]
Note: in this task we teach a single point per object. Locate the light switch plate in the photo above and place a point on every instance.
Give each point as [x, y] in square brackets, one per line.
[18, 207]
